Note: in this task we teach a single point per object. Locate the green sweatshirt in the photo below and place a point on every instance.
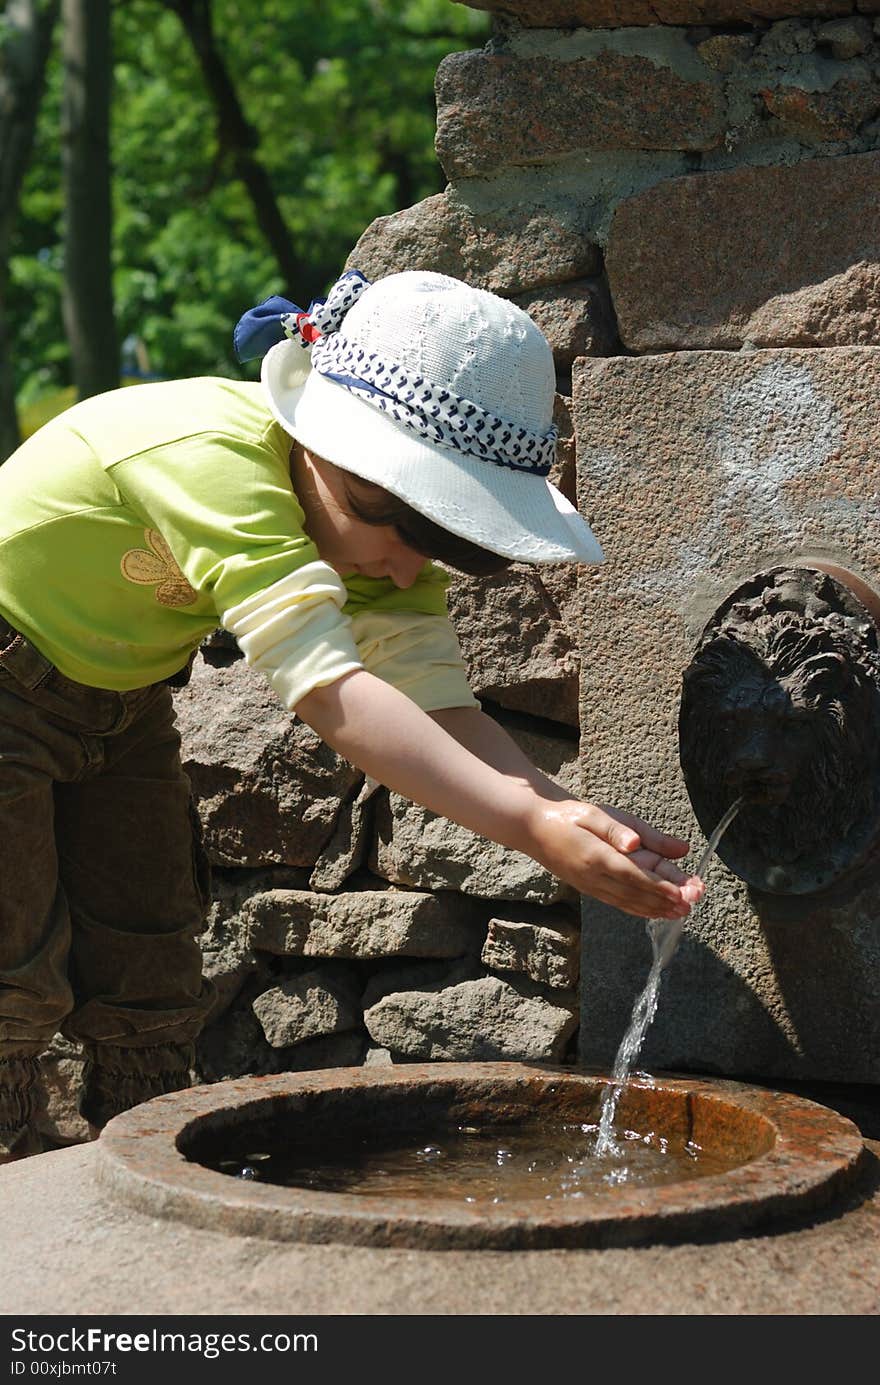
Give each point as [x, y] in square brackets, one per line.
[133, 523]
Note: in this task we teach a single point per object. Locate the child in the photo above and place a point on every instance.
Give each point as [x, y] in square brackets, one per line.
[396, 422]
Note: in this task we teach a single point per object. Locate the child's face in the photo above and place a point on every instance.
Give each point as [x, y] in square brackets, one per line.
[347, 543]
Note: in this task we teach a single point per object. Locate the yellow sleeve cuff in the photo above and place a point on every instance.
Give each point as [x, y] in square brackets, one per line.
[416, 653]
[294, 632]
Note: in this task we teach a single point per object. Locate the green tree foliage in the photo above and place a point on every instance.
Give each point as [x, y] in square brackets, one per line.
[26, 28]
[339, 94]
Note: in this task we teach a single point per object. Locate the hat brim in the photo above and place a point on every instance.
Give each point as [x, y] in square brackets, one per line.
[512, 513]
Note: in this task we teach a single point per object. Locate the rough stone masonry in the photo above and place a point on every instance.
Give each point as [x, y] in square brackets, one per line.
[694, 189]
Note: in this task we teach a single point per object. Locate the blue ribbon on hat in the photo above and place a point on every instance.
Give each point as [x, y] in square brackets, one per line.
[259, 329]
[276, 318]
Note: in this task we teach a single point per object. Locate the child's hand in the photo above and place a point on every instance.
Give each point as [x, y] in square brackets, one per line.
[616, 858]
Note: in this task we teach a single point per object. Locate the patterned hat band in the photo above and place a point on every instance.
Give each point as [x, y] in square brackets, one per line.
[434, 413]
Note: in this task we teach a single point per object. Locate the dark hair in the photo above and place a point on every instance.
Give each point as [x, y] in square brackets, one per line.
[374, 505]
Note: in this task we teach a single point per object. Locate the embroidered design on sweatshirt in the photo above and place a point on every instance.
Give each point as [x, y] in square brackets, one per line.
[158, 568]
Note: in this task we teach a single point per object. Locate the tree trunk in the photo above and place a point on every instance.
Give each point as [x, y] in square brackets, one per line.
[24, 49]
[88, 283]
[238, 138]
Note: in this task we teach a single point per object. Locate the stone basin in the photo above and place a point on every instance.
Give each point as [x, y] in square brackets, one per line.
[785, 1156]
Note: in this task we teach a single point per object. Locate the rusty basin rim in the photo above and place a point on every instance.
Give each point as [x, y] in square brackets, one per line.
[816, 1156]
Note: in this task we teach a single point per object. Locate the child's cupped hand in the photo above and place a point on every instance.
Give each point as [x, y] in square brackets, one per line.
[616, 858]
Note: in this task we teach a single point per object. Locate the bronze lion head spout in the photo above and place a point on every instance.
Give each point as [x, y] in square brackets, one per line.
[781, 705]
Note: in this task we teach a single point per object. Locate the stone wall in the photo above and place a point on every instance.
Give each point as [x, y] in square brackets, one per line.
[351, 926]
[703, 179]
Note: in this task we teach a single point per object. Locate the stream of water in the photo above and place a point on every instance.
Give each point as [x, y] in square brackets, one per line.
[665, 935]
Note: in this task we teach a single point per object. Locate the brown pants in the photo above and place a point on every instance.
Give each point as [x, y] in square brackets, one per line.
[104, 890]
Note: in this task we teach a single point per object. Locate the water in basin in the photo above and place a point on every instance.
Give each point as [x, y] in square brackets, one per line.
[478, 1164]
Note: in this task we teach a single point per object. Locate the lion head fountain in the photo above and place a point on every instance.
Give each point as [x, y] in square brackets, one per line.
[781, 705]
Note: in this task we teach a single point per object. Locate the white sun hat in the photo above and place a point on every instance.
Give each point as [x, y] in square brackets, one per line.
[440, 393]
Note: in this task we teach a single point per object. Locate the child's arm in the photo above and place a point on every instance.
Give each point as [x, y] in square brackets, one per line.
[491, 743]
[495, 791]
